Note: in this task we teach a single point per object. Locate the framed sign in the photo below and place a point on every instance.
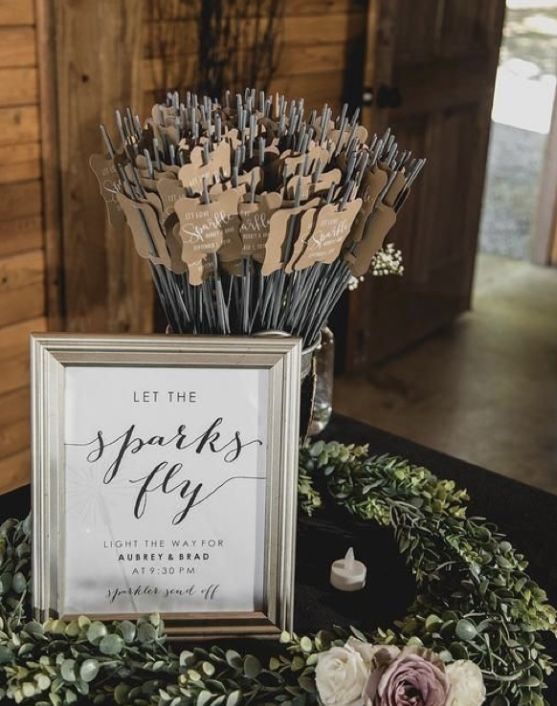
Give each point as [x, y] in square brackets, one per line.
[164, 480]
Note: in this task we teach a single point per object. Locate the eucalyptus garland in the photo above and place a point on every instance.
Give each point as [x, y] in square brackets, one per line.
[474, 601]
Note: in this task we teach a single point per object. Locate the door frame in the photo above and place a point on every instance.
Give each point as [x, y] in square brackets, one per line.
[544, 237]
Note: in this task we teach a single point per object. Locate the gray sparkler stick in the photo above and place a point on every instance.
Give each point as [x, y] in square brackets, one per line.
[300, 301]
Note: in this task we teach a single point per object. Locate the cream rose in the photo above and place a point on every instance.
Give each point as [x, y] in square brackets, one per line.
[380, 653]
[340, 676]
[466, 684]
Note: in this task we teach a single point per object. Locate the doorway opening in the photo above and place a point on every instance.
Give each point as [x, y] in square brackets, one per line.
[521, 122]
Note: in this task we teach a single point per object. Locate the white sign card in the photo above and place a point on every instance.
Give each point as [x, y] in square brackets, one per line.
[174, 469]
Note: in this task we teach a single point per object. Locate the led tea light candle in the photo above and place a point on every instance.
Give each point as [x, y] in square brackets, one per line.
[348, 574]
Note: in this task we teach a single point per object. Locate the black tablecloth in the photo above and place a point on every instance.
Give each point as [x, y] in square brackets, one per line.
[527, 515]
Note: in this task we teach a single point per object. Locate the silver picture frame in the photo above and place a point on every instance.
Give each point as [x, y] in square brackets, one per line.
[51, 354]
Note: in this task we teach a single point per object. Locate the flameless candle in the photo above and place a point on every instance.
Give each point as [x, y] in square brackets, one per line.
[348, 574]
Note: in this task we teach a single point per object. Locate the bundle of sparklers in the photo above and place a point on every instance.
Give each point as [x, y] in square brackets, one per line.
[253, 215]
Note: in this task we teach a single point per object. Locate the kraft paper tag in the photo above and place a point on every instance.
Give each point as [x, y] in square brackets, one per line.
[360, 134]
[147, 183]
[330, 126]
[168, 171]
[378, 225]
[255, 173]
[148, 238]
[221, 186]
[308, 188]
[306, 226]
[394, 189]
[174, 244]
[327, 238]
[141, 164]
[231, 136]
[278, 229]
[231, 248]
[201, 230]
[291, 163]
[191, 175]
[154, 200]
[170, 132]
[162, 114]
[254, 224]
[243, 182]
[169, 191]
[373, 184]
[109, 186]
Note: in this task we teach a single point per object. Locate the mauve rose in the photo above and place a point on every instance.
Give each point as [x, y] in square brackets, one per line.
[416, 677]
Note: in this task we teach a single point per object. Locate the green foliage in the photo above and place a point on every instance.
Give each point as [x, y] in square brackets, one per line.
[474, 601]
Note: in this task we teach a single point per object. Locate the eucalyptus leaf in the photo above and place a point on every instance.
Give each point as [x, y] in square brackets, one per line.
[96, 631]
[19, 582]
[6, 655]
[252, 666]
[67, 670]
[473, 601]
[234, 698]
[111, 645]
[127, 630]
[146, 633]
[234, 659]
[203, 698]
[466, 630]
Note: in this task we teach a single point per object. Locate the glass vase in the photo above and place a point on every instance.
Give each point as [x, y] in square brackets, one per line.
[324, 364]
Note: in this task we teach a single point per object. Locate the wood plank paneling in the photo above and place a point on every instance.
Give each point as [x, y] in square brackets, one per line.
[18, 86]
[15, 374]
[14, 359]
[20, 200]
[294, 31]
[22, 260]
[15, 471]
[14, 405]
[107, 286]
[21, 234]
[14, 340]
[17, 12]
[293, 61]
[17, 46]
[22, 304]
[14, 437]
[19, 125]
[312, 88]
[20, 162]
[175, 10]
[50, 163]
[21, 270]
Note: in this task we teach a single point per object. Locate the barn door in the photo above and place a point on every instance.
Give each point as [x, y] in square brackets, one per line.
[430, 65]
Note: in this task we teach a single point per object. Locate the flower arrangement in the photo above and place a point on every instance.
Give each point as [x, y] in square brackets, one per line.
[360, 674]
[473, 632]
[254, 215]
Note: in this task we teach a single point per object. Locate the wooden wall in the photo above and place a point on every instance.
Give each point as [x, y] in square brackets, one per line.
[64, 67]
[317, 51]
[22, 258]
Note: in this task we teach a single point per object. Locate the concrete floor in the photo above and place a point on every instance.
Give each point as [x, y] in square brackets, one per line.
[485, 389]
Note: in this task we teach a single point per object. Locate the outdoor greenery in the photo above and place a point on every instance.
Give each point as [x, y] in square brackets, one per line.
[474, 601]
